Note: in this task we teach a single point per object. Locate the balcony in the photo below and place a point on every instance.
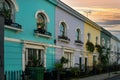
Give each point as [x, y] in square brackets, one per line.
[9, 24]
[64, 39]
[43, 33]
[78, 42]
[12, 26]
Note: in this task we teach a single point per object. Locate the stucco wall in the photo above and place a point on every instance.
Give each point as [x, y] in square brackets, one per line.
[94, 33]
[72, 24]
[26, 17]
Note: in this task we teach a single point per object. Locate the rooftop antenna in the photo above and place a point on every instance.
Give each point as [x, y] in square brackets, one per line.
[87, 12]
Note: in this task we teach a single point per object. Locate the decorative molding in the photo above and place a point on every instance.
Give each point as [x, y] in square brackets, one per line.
[64, 22]
[13, 28]
[79, 44]
[23, 58]
[40, 44]
[12, 40]
[15, 4]
[63, 40]
[42, 11]
[38, 34]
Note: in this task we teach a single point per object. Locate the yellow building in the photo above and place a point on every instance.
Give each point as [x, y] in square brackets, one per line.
[91, 35]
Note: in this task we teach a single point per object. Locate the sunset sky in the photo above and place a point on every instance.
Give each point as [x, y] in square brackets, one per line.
[106, 13]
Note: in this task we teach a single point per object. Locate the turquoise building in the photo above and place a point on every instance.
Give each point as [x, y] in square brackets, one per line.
[28, 32]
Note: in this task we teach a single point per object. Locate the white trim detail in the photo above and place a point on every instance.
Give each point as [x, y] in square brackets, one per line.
[40, 44]
[64, 22]
[15, 4]
[23, 58]
[34, 46]
[12, 40]
[42, 11]
[63, 40]
[13, 28]
[45, 50]
[38, 34]
[71, 51]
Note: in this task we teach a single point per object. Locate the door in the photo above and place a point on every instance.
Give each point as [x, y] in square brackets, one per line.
[80, 63]
[85, 64]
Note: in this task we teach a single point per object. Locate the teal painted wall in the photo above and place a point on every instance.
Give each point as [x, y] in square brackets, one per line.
[50, 58]
[26, 17]
[12, 56]
[106, 35]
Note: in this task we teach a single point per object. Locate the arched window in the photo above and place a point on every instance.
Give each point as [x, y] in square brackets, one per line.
[78, 32]
[63, 31]
[7, 9]
[108, 44]
[103, 42]
[96, 40]
[41, 21]
[89, 36]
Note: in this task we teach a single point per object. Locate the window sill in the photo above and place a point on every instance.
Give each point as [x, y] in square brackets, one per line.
[13, 28]
[42, 35]
[63, 40]
[78, 42]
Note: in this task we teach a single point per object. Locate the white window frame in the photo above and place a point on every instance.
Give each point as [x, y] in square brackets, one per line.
[64, 28]
[70, 59]
[26, 46]
[79, 34]
[103, 42]
[89, 37]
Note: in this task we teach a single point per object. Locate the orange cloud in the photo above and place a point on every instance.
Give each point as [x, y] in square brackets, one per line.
[104, 12]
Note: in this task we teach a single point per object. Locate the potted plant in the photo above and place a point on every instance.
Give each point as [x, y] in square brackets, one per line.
[6, 13]
[36, 69]
[59, 67]
[90, 46]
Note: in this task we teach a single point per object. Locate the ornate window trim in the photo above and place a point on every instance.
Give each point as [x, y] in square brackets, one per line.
[43, 12]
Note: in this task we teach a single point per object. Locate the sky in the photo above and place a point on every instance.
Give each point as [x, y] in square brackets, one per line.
[106, 13]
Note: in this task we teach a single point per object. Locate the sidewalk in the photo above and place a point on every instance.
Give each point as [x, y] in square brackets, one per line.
[100, 77]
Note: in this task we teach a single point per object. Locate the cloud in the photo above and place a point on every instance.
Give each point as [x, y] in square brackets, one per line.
[92, 3]
[104, 12]
[110, 22]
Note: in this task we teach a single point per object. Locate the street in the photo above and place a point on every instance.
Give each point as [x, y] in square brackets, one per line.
[114, 78]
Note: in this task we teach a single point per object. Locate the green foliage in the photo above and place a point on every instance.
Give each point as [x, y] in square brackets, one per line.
[75, 71]
[90, 46]
[58, 66]
[35, 61]
[63, 60]
[6, 13]
[99, 48]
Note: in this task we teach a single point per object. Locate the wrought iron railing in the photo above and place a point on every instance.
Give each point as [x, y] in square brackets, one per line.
[12, 24]
[78, 41]
[42, 31]
[64, 37]
[13, 75]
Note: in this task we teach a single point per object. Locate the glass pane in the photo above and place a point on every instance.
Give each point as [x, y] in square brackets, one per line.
[78, 34]
[41, 21]
[61, 29]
